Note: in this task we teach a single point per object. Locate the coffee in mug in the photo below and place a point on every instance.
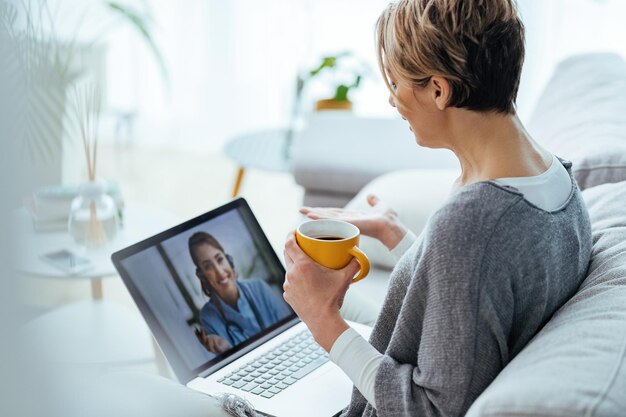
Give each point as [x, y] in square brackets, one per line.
[328, 237]
[333, 244]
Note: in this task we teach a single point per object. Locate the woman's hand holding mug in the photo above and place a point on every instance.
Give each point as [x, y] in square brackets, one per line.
[316, 292]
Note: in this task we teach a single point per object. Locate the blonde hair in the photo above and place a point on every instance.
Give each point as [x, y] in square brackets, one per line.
[476, 45]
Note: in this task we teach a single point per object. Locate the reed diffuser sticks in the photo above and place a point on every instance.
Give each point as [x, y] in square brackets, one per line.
[87, 105]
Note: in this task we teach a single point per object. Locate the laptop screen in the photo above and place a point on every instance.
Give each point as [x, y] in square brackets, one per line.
[208, 288]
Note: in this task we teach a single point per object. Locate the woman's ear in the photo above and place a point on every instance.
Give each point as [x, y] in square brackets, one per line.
[206, 287]
[440, 91]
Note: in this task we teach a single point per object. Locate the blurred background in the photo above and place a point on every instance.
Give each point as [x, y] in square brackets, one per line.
[231, 66]
[190, 103]
[180, 81]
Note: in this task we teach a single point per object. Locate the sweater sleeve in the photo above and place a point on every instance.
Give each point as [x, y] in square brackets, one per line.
[400, 249]
[453, 330]
[359, 360]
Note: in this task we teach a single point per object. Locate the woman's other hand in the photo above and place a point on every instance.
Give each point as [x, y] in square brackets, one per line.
[212, 342]
[379, 222]
[316, 293]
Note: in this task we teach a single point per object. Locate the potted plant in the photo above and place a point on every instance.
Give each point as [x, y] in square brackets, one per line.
[346, 73]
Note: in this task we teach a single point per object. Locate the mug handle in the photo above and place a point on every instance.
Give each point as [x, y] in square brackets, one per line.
[361, 257]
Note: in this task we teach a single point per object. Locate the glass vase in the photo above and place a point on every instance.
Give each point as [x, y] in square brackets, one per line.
[93, 219]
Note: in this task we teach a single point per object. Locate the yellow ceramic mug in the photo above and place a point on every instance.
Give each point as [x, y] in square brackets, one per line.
[333, 244]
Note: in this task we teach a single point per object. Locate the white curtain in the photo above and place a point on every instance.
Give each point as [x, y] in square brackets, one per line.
[232, 63]
[556, 29]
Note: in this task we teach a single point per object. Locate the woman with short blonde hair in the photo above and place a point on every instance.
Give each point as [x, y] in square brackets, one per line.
[477, 46]
[507, 249]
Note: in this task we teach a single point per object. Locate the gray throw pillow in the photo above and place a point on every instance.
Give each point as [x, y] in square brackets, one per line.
[581, 116]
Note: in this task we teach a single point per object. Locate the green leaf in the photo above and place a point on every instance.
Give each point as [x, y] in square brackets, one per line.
[342, 93]
[327, 62]
[330, 61]
[140, 23]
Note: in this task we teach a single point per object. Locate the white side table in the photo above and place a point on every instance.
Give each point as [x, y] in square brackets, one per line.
[140, 221]
[95, 332]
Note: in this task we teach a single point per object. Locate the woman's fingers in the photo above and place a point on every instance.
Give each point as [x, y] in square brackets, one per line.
[305, 210]
[353, 267]
[351, 270]
[221, 344]
[212, 342]
[224, 345]
[206, 341]
[211, 345]
[377, 203]
[288, 260]
[316, 213]
[372, 200]
[293, 250]
[217, 344]
[286, 254]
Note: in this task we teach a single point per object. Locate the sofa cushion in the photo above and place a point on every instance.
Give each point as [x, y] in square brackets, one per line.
[340, 153]
[576, 365]
[413, 194]
[581, 117]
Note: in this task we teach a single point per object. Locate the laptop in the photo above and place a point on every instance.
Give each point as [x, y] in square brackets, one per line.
[210, 290]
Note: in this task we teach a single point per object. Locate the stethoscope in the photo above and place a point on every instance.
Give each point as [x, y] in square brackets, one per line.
[229, 323]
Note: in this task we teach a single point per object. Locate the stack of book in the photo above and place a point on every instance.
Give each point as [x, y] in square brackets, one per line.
[50, 206]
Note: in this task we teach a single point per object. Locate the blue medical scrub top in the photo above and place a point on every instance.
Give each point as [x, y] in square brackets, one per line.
[243, 323]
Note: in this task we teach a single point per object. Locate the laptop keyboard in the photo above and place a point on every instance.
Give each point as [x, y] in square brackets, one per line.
[278, 369]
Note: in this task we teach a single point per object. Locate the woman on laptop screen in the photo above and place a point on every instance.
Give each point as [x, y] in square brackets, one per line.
[236, 310]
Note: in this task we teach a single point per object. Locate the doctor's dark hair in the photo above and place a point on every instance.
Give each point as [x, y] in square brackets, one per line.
[199, 239]
[476, 45]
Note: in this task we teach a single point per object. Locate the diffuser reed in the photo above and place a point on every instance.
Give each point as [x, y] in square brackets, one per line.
[87, 107]
[93, 220]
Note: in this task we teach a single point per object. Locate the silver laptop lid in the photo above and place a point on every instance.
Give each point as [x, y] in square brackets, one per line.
[210, 289]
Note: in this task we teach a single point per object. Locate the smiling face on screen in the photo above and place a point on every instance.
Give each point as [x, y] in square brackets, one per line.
[214, 267]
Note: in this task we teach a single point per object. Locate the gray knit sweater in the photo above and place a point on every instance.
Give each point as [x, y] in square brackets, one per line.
[486, 274]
